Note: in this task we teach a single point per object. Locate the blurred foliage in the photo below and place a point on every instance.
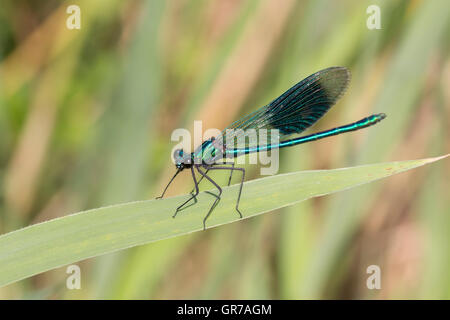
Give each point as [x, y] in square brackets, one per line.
[86, 117]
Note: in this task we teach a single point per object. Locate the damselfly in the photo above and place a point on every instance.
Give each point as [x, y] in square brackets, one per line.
[291, 113]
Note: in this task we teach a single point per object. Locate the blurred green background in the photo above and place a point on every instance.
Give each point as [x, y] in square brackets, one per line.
[86, 117]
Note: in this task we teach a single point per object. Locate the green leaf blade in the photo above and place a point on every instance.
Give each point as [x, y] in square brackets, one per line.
[79, 236]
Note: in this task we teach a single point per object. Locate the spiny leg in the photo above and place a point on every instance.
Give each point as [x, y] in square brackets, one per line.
[165, 189]
[193, 195]
[199, 180]
[217, 196]
[224, 164]
[206, 172]
[231, 172]
[227, 164]
[242, 182]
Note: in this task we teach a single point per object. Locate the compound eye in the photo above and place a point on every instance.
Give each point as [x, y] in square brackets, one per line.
[178, 154]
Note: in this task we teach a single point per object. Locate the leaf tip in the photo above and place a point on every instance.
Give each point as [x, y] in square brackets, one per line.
[434, 159]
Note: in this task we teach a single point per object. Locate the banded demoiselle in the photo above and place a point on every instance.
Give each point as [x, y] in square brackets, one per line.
[291, 113]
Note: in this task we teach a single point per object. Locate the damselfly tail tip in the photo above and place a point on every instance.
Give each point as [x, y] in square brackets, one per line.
[380, 116]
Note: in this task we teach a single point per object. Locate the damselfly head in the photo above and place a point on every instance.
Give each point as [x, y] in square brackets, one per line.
[182, 159]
